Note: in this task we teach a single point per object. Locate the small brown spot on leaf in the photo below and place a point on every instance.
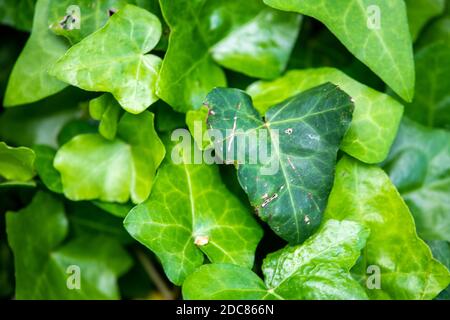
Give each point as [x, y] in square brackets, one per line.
[111, 12]
[269, 200]
[201, 240]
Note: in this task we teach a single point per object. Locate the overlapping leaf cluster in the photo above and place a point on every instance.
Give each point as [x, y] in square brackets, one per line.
[354, 96]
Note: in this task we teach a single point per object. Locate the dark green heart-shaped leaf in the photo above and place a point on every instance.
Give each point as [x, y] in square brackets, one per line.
[303, 134]
[114, 59]
[245, 36]
[419, 166]
[190, 214]
[93, 167]
[407, 270]
[44, 264]
[375, 31]
[16, 164]
[375, 120]
[317, 269]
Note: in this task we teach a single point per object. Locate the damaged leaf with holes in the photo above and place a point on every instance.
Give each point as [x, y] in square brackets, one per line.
[289, 189]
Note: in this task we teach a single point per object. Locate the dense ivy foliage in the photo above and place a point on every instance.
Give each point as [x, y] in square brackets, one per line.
[128, 130]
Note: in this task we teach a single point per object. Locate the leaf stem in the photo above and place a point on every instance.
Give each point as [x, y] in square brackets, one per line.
[154, 275]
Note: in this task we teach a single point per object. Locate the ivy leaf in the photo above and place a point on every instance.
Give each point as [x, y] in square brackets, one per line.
[317, 269]
[17, 13]
[154, 7]
[225, 282]
[29, 80]
[419, 166]
[76, 19]
[290, 190]
[16, 164]
[244, 36]
[114, 59]
[51, 178]
[375, 120]
[338, 243]
[112, 170]
[40, 122]
[431, 105]
[43, 262]
[420, 12]
[106, 109]
[189, 214]
[385, 48]
[407, 268]
[196, 122]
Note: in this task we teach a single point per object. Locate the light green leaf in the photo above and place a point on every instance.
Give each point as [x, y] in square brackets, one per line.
[106, 109]
[338, 243]
[244, 36]
[92, 167]
[29, 80]
[431, 105]
[44, 264]
[114, 59]
[16, 163]
[375, 120]
[375, 31]
[319, 269]
[196, 122]
[154, 7]
[225, 282]
[17, 13]
[420, 12]
[364, 194]
[51, 178]
[190, 214]
[290, 189]
[419, 166]
[76, 19]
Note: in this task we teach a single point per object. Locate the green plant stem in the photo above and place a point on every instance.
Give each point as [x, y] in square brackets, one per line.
[154, 275]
